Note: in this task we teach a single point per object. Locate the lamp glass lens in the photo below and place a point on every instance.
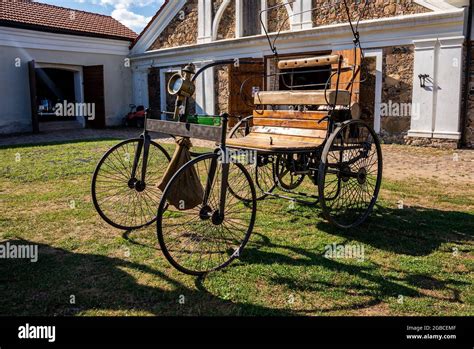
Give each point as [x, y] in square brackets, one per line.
[177, 84]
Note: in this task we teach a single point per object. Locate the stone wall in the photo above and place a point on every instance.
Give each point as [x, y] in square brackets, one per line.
[367, 90]
[468, 139]
[182, 30]
[397, 89]
[221, 76]
[227, 24]
[432, 142]
[272, 83]
[277, 18]
[333, 11]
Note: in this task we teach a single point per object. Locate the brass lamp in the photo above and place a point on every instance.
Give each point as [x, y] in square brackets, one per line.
[182, 86]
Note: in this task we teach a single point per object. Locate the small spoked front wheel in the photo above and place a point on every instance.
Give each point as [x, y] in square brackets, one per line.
[285, 172]
[350, 174]
[199, 232]
[119, 195]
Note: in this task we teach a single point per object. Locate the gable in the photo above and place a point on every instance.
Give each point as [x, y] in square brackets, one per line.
[176, 23]
[182, 30]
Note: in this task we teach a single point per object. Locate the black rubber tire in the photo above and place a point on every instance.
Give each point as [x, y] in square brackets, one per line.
[95, 200]
[361, 210]
[162, 222]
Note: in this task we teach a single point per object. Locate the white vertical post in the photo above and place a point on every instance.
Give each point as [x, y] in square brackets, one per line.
[423, 99]
[79, 93]
[204, 21]
[239, 29]
[163, 93]
[205, 94]
[378, 55]
[297, 18]
[264, 15]
[307, 14]
[449, 80]
[209, 91]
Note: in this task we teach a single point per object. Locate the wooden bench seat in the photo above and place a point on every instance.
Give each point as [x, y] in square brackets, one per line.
[274, 142]
[283, 131]
[302, 97]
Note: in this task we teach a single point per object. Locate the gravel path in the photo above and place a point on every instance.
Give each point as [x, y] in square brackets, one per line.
[400, 162]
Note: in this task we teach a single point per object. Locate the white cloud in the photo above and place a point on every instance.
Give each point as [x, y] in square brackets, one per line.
[132, 20]
[123, 13]
[128, 3]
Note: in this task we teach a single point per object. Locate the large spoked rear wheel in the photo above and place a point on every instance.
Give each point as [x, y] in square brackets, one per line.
[194, 235]
[262, 171]
[122, 200]
[350, 174]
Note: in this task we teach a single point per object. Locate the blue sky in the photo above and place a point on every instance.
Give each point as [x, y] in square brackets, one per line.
[135, 14]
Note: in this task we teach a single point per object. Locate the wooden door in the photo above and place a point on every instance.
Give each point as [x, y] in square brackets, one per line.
[33, 97]
[251, 76]
[94, 93]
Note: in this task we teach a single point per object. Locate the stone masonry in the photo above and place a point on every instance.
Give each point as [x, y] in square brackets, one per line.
[227, 24]
[221, 77]
[333, 11]
[182, 30]
[397, 89]
[277, 18]
[469, 121]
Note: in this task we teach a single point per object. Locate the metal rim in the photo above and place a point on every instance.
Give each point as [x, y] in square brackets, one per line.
[350, 174]
[196, 236]
[115, 183]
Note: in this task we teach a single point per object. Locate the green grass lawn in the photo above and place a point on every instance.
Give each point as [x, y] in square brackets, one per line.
[417, 260]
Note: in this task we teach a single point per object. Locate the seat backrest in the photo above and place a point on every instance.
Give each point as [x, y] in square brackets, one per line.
[303, 97]
[291, 123]
[306, 125]
[316, 61]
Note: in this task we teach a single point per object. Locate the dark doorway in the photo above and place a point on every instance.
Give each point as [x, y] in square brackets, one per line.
[94, 94]
[53, 87]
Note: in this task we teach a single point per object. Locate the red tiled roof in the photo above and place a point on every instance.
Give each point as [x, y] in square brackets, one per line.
[37, 16]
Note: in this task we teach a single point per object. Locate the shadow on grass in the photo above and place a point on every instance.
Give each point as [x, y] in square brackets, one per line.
[414, 231]
[375, 286]
[103, 285]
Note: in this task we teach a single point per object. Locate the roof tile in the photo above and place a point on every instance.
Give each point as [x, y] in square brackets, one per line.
[39, 16]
